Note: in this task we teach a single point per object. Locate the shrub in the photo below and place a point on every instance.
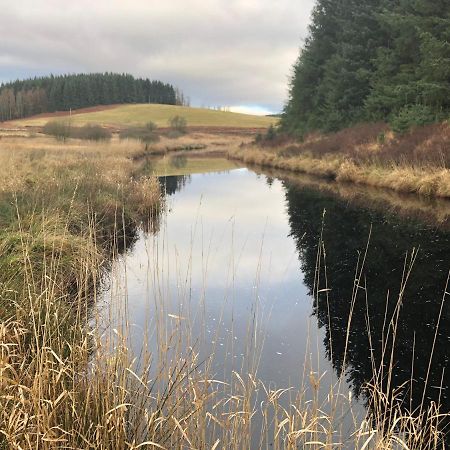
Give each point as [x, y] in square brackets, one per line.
[271, 133]
[151, 126]
[63, 131]
[178, 161]
[178, 124]
[60, 130]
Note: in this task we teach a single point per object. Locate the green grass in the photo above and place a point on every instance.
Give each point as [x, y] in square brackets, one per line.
[138, 115]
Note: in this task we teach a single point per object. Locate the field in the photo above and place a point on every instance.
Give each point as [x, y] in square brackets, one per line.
[133, 115]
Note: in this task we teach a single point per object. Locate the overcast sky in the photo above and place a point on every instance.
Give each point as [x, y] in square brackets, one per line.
[236, 53]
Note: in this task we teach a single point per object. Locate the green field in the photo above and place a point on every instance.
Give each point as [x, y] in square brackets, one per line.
[126, 115]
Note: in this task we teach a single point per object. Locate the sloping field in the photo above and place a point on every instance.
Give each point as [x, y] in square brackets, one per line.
[126, 115]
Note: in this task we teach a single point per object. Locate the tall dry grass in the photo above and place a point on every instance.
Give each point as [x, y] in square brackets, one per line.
[65, 382]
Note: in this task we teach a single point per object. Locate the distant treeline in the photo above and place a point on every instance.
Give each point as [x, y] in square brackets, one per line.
[371, 60]
[24, 98]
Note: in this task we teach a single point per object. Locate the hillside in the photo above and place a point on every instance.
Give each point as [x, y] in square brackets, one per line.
[139, 114]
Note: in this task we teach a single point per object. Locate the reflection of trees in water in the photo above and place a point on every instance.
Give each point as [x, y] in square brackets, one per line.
[178, 161]
[173, 183]
[345, 237]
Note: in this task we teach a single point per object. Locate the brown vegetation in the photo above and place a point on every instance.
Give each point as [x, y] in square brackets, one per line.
[416, 162]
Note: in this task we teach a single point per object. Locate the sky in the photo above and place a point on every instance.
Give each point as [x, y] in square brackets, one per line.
[230, 53]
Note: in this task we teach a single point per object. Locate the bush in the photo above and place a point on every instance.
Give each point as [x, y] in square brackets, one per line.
[178, 161]
[412, 116]
[271, 133]
[63, 131]
[178, 124]
[151, 126]
[60, 130]
[273, 137]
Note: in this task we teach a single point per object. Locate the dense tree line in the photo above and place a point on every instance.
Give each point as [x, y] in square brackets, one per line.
[24, 98]
[369, 60]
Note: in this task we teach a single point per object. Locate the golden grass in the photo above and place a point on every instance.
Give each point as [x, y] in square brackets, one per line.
[24, 160]
[427, 180]
[54, 192]
[138, 115]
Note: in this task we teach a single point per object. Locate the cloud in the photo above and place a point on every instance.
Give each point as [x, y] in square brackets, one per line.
[219, 52]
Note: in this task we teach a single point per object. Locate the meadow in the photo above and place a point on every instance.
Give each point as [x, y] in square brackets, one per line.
[121, 116]
[67, 210]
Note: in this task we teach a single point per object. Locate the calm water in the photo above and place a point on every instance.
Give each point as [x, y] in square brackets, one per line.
[237, 249]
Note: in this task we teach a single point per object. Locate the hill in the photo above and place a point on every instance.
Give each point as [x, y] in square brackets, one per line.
[118, 116]
[25, 98]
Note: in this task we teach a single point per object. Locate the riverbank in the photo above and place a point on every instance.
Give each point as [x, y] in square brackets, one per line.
[66, 210]
[417, 162]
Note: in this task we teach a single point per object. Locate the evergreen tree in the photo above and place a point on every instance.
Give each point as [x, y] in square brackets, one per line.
[371, 60]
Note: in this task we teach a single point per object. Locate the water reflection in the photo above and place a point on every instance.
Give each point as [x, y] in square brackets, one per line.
[345, 236]
[238, 244]
[173, 183]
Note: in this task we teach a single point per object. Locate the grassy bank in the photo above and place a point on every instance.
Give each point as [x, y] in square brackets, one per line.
[435, 211]
[417, 162]
[52, 198]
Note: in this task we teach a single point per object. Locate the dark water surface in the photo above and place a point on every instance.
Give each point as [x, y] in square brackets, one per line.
[237, 249]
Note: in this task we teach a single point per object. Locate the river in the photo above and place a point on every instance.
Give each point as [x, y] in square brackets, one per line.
[264, 272]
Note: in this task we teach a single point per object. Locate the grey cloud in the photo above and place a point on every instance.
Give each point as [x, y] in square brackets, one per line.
[219, 52]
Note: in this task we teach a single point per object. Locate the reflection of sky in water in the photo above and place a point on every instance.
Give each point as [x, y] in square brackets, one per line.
[225, 243]
[227, 252]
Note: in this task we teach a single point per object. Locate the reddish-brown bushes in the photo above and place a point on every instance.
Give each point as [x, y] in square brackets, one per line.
[375, 143]
[427, 145]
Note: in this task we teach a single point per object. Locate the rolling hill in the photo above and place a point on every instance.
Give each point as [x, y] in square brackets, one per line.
[119, 116]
